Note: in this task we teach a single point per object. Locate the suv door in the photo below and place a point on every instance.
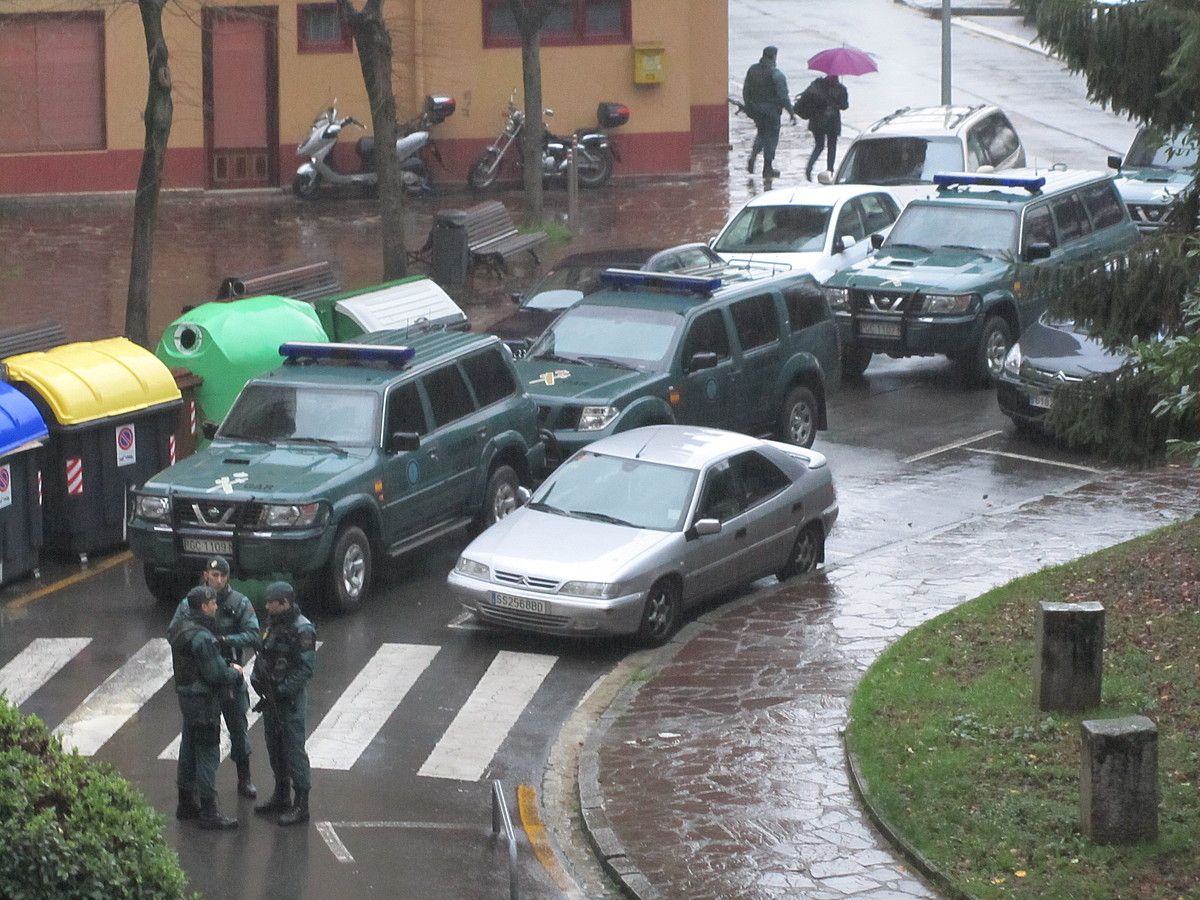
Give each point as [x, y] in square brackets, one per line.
[411, 480]
[1037, 228]
[756, 323]
[849, 224]
[1106, 210]
[455, 441]
[711, 562]
[1075, 235]
[770, 522]
[814, 329]
[708, 394]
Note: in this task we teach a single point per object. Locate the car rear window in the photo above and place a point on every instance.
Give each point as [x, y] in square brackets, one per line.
[755, 321]
[448, 395]
[1070, 217]
[1103, 204]
[806, 306]
[489, 376]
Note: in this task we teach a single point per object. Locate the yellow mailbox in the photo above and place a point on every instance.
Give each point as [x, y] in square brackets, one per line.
[649, 67]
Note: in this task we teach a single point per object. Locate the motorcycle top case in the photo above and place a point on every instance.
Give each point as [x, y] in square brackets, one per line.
[611, 115]
[439, 109]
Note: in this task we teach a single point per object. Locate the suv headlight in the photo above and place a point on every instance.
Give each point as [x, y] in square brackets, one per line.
[474, 569]
[152, 508]
[838, 298]
[1012, 362]
[290, 515]
[595, 589]
[947, 304]
[594, 418]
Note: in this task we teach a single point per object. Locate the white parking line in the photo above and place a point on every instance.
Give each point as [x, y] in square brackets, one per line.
[37, 664]
[936, 450]
[1036, 459]
[328, 830]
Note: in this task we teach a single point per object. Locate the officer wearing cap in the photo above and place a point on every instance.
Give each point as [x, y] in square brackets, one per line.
[281, 674]
[202, 674]
[237, 634]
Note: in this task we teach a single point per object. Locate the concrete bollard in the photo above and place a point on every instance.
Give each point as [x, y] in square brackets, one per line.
[1069, 664]
[1118, 801]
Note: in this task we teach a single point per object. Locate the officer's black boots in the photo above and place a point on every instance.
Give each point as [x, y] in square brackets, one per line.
[245, 787]
[753, 160]
[298, 814]
[188, 808]
[769, 171]
[280, 801]
[211, 819]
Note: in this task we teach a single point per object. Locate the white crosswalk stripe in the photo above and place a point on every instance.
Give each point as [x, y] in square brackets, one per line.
[118, 699]
[37, 664]
[467, 747]
[366, 705]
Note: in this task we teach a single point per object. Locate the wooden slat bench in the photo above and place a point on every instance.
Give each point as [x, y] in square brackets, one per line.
[306, 281]
[492, 238]
[31, 338]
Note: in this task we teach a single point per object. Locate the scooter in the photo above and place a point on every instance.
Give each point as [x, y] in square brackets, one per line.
[414, 139]
[597, 151]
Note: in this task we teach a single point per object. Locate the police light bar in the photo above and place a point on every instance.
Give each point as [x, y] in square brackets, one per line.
[353, 353]
[950, 179]
[631, 278]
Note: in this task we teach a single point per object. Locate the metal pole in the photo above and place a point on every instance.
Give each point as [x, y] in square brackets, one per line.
[573, 183]
[945, 52]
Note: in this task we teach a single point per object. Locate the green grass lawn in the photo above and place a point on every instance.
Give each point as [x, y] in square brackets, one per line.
[956, 756]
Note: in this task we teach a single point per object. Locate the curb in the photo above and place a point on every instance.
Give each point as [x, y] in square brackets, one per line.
[933, 8]
[1004, 37]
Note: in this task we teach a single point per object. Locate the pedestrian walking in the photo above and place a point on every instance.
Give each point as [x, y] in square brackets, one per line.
[237, 636]
[822, 103]
[765, 95]
[281, 675]
[201, 676]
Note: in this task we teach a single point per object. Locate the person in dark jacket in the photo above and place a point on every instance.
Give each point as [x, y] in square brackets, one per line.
[281, 673]
[201, 676]
[765, 95]
[826, 97]
[237, 635]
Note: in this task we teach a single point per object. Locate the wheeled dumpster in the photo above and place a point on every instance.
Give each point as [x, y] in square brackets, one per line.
[22, 431]
[393, 305]
[110, 408]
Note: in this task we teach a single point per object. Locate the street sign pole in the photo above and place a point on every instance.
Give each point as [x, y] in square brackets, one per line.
[945, 52]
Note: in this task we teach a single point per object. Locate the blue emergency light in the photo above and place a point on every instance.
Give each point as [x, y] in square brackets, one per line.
[950, 179]
[351, 353]
[635, 278]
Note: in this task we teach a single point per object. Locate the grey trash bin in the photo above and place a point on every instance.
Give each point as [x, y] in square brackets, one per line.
[450, 256]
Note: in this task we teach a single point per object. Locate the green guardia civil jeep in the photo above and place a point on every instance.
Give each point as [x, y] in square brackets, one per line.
[746, 350]
[343, 454]
[945, 279]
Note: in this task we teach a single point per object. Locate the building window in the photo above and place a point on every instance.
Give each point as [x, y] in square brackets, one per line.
[52, 82]
[572, 23]
[320, 29]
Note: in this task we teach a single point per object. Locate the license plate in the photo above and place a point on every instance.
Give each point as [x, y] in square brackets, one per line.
[524, 604]
[879, 329]
[208, 545]
[1042, 401]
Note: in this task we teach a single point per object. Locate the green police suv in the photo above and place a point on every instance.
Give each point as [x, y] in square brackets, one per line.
[744, 350]
[945, 279]
[345, 453]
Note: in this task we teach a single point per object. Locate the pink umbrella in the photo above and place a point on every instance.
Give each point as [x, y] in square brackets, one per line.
[843, 61]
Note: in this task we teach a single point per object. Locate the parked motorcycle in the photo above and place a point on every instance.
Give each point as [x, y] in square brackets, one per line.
[597, 151]
[411, 148]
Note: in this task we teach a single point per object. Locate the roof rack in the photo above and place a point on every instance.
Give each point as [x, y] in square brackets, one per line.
[958, 119]
[890, 116]
[347, 354]
[969, 179]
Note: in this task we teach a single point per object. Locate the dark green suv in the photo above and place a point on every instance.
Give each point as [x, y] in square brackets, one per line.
[739, 349]
[945, 280]
[345, 453]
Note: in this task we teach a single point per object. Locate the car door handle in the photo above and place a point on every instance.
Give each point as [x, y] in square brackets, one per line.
[740, 533]
[433, 454]
[482, 431]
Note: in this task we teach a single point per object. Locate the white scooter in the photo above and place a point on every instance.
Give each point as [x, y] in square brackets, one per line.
[414, 138]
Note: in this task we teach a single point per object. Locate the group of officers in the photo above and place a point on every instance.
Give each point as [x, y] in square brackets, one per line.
[212, 633]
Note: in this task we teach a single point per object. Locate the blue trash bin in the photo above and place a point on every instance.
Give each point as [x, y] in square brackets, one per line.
[22, 430]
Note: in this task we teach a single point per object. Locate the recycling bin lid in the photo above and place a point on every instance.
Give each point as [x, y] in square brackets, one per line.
[400, 305]
[95, 379]
[20, 421]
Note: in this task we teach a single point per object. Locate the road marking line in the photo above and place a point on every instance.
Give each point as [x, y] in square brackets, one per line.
[367, 704]
[936, 450]
[1037, 459]
[468, 745]
[328, 830]
[93, 569]
[535, 831]
[37, 664]
[340, 853]
[117, 700]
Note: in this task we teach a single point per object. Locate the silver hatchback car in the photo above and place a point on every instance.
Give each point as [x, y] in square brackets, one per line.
[635, 528]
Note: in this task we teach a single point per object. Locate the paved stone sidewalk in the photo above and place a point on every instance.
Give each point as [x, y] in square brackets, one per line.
[724, 775]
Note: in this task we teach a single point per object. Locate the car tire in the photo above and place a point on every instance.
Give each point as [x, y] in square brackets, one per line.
[305, 185]
[660, 613]
[597, 172]
[983, 366]
[855, 361]
[807, 551]
[348, 573]
[166, 586]
[798, 418]
[484, 172]
[499, 496]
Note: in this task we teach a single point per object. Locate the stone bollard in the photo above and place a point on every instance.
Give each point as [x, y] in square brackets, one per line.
[1118, 801]
[1070, 656]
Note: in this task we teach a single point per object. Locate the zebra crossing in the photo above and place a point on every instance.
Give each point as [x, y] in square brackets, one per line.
[463, 753]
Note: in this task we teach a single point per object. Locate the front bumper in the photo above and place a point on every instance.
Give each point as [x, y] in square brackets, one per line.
[1017, 400]
[298, 552]
[557, 613]
[918, 336]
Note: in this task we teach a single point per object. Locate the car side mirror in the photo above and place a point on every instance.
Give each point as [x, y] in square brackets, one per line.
[876, 240]
[1036, 251]
[523, 494]
[844, 243]
[705, 360]
[209, 430]
[404, 442]
[515, 297]
[1115, 162]
[705, 527]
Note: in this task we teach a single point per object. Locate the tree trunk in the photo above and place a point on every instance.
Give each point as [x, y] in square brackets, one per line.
[531, 77]
[159, 109]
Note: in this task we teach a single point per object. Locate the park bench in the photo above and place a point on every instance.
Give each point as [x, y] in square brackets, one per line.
[306, 281]
[31, 338]
[492, 238]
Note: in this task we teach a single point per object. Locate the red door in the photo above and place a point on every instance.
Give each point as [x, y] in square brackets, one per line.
[241, 121]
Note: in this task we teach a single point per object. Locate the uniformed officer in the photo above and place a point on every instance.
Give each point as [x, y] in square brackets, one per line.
[201, 675]
[237, 634]
[281, 674]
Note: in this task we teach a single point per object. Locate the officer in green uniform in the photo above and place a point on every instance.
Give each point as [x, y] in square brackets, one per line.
[237, 634]
[281, 674]
[201, 675]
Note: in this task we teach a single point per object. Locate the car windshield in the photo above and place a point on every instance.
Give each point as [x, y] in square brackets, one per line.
[776, 229]
[274, 413]
[1152, 150]
[627, 336]
[931, 225]
[900, 160]
[619, 491]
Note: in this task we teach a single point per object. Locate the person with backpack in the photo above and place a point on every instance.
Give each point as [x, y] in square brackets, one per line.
[822, 103]
[765, 94]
